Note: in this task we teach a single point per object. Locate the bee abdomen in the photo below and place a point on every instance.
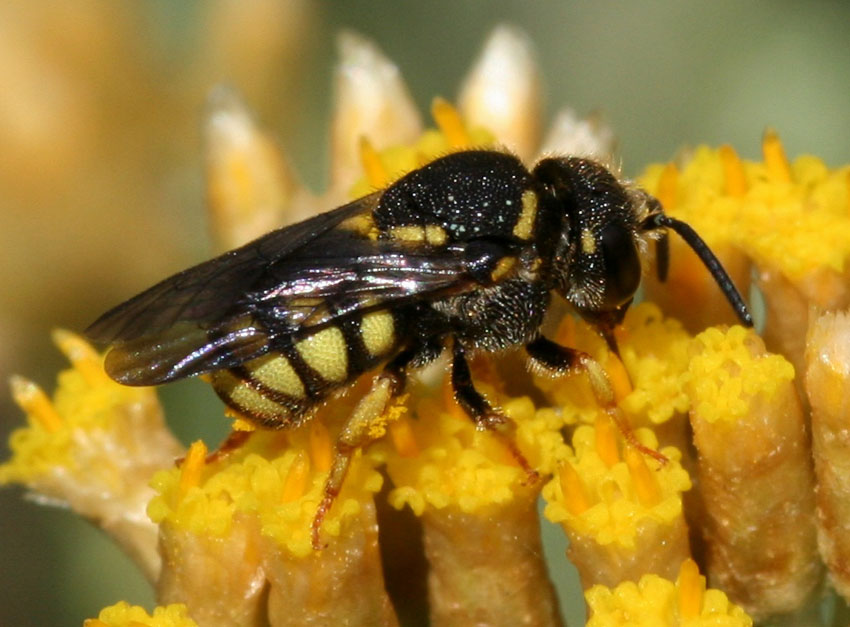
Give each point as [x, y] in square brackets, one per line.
[280, 389]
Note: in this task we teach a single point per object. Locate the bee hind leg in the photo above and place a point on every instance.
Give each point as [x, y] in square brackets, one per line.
[357, 432]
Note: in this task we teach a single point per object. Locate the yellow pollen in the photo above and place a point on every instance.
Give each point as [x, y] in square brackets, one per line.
[606, 440]
[321, 451]
[575, 496]
[403, 438]
[667, 185]
[450, 123]
[296, 479]
[645, 485]
[733, 172]
[82, 356]
[242, 424]
[691, 587]
[376, 173]
[774, 157]
[190, 471]
[35, 403]
[619, 378]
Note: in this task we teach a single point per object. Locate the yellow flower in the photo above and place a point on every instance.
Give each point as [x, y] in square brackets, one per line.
[232, 535]
[123, 614]
[94, 447]
[657, 602]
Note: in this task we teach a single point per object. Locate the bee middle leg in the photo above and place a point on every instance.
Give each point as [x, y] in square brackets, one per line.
[562, 360]
[482, 413]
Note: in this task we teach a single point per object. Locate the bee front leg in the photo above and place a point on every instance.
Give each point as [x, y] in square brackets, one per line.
[484, 415]
[562, 360]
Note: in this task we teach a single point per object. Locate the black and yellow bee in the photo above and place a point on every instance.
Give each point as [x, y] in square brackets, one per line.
[463, 254]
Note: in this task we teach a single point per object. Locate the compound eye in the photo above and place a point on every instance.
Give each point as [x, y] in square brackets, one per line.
[622, 265]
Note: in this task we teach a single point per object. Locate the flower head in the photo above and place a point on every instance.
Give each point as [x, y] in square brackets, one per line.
[232, 534]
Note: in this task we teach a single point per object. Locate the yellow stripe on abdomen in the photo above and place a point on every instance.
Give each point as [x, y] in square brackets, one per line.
[245, 396]
[276, 372]
[378, 332]
[326, 353]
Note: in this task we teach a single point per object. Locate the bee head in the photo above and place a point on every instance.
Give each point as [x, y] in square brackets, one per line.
[598, 227]
[595, 262]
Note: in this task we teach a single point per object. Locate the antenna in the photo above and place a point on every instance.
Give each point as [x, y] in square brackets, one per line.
[692, 239]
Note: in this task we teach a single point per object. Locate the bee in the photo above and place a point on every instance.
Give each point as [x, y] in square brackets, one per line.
[462, 255]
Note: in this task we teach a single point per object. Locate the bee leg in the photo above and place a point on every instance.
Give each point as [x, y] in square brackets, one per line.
[357, 432]
[484, 415]
[232, 443]
[562, 360]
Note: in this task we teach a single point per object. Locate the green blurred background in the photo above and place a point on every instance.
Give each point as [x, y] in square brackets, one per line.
[100, 166]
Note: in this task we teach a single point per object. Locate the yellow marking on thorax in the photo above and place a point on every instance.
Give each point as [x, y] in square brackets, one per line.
[276, 372]
[378, 332]
[588, 242]
[326, 353]
[525, 224]
[435, 235]
[362, 225]
[503, 267]
[432, 234]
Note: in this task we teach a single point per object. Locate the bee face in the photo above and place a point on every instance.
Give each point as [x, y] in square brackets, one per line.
[595, 262]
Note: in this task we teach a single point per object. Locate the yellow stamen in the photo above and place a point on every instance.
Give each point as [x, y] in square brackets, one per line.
[774, 157]
[733, 171]
[376, 173]
[296, 479]
[35, 403]
[606, 440]
[667, 186]
[645, 485]
[572, 487]
[619, 378]
[193, 465]
[450, 401]
[484, 371]
[690, 587]
[450, 123]
[81, 354]
[403, 438]
[321, 451]
[94, 622]
[566, 333]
